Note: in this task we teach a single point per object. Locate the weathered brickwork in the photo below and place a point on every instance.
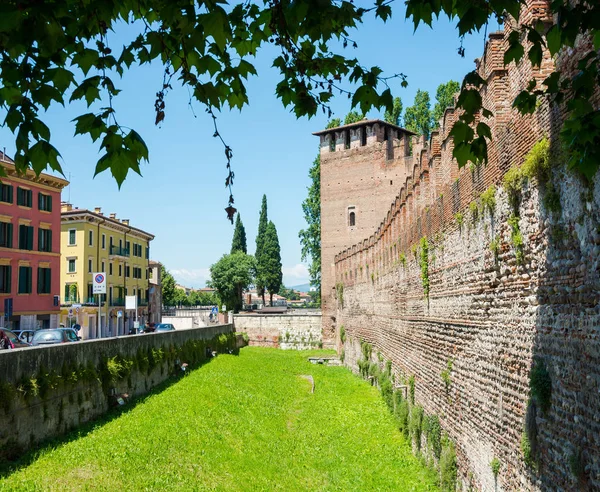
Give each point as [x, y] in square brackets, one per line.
[489, 315]
[285, 331]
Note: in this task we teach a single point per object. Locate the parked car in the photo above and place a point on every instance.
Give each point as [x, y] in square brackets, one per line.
[12, 336]
[52, 336]
[72, 334]
[164, 327]
[24, 335]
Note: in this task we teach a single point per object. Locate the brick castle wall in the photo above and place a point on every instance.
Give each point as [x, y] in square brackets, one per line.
[490, 316]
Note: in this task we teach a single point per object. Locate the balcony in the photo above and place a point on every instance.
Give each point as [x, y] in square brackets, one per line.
[118, 251]
[117, 301]
[142, 302]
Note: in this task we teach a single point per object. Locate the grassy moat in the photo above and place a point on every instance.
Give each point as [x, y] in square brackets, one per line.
[246, 422]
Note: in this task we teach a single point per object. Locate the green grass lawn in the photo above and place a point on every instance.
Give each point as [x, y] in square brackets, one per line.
[246, 422]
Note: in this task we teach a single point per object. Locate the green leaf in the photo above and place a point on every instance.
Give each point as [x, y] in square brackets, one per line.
[553, 39]
[85, 59]
[45, 94]
[515, 50]
[535, 55]
[88, 89]
[136, 143]
[40, 128]
[463, 154]
[461, 132]
[61, 78]
[483, 130]
[525, 102]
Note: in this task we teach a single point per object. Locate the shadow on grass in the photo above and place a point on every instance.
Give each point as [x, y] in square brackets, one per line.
[7, 468]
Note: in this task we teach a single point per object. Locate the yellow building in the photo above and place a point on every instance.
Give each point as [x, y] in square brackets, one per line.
[91, 242]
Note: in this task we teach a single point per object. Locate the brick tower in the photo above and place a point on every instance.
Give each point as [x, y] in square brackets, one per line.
[363, 167]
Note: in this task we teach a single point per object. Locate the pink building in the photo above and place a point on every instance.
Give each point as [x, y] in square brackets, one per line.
[29, 248]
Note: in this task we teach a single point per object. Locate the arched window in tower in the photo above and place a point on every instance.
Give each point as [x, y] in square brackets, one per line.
[351, 216]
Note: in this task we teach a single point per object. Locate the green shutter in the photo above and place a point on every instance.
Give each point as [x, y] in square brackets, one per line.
[30, 238]
[40, 281]
[10, 194]
[21, 286]
[22, 237]
[40, 240]
[49, 239]
[49, 203]
[9, 281]
[40, 201]
[48, 279]
[9, 235]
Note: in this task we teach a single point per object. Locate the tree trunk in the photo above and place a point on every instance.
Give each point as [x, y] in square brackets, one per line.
[271, 298]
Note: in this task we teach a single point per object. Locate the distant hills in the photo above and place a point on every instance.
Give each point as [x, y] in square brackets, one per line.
[301, 288]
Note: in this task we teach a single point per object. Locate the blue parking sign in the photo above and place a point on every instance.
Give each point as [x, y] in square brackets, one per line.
[215, 310]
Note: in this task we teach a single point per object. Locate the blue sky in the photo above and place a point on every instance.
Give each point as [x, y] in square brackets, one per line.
[181, 196]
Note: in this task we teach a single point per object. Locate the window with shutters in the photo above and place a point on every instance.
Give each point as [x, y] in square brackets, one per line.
[127, 271]
[24, 280]
[6, 193]
[120, 270]
[45, 240]
[26, 237]
[91, 238]
[72, 237]
[44, 280]
[45, 202]
[5, 279]
[71, 266]
[6, 233]
[103, 241]
[110, 268]
[147, 252]
[90, 265]
[24, 197]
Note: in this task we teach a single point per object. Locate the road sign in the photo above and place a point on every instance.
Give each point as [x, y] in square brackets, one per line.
[99, 283]
[119, 314]
[215, 310]
[70, 313]
[130, 302]
[76, 307]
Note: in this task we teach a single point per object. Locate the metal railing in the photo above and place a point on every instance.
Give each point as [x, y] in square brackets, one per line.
[119, 251]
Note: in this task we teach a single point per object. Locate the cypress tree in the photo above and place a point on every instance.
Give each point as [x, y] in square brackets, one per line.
[271, 261]
[260, 238]
[239, 237]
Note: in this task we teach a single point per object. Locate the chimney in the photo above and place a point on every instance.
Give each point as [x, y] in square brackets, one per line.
[98, 210]
[66, 207]
[125, 221]
[113, 216]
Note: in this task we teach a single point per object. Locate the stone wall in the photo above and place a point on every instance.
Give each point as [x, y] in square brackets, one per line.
[492, 316]
[46, 391]
[298, 331]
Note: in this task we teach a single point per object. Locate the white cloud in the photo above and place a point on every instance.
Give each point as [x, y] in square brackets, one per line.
[297, 274]
[195, 277]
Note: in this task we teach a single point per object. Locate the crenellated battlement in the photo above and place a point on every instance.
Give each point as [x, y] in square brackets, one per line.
[434, 189]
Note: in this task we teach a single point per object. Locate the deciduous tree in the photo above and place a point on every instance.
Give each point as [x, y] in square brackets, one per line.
[168, 287]
[395, 116]
[417, 118]
[310, 238]
[353, 117]
[444, 97]
[231, 275]
[59, 52]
